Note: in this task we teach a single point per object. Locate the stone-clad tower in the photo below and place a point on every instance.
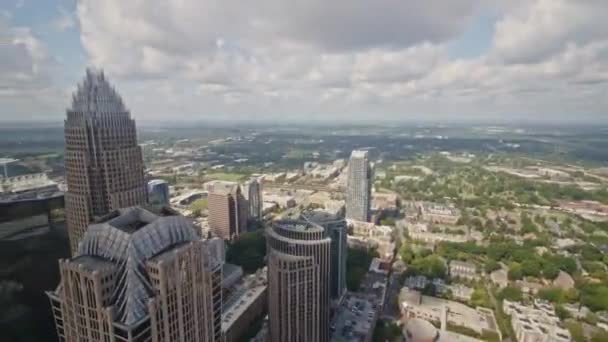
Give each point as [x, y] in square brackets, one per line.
[103, 162]
[299, 266]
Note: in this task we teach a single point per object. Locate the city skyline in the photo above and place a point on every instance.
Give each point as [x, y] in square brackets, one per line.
[483, 60]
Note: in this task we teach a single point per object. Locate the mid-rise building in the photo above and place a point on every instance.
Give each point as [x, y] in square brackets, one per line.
[245, 305]
[337, 230]
[158, 192]
[103, 162]
[136, 276]
[359, 186]
[463, 269]
[537, 322]
[252, 190]
[228, 210]
[299, 266]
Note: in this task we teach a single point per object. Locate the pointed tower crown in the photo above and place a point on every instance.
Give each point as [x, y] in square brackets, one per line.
[96, 94]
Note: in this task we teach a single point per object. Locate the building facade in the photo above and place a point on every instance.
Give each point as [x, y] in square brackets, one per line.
[299, 264]
[337, 229]
[158, 192]
[228, 210]
[252, 191]
[137, 276]
[359, 186]
[103, 162]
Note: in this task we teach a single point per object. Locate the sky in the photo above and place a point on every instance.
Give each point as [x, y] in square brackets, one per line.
[313, 60]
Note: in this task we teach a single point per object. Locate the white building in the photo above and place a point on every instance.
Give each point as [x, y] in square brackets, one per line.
[537, 323]
[359, 186]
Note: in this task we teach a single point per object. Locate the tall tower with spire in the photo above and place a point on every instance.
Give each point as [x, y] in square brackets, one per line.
[103, 162]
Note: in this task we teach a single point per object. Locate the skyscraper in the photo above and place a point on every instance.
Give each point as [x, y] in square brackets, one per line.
[158, 192]
[136, 276]
[228, 209]
[252, 189]
[299, 264]
[336, 228]
[103, 163]
[359, 187]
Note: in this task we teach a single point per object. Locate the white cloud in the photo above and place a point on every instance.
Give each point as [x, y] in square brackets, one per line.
[348, 58]
[64, 21]
[25, 82]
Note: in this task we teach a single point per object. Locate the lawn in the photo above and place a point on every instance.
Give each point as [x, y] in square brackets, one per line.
[224, 176]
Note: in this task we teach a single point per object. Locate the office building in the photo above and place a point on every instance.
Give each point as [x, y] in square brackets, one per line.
[158, 192]
[228, 210]
[359, 187]
[103, 162]
[244, 306]
[337, 229]
[252, 190]
[136, 276]
[299, 264]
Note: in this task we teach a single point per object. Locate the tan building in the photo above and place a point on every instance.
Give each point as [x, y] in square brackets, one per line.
[228, 209]
[299, 266]
[103, 162]
[137, 276]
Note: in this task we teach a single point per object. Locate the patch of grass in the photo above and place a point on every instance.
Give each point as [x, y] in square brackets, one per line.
[224, 176]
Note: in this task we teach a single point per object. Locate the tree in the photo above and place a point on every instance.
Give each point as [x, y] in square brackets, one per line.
[550, 270]
[406, 253]
[561, 312]
[491, 265]
[511, 293]
[530, 267]
[431, 266]
[515, 271]
[600, 336]
[553, 294]
[248, 251]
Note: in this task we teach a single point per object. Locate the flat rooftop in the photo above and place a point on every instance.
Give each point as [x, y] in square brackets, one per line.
[238, 303]
[353, 320]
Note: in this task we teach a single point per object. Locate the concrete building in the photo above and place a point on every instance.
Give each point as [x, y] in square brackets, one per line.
[420, 330]
[252, 190]
[103, 162]
[462, 269]
[158, 192]
[299, 266]
[228, 210]
[355, 319]
[336, 227]
[446, 312]
[536, 323]
[244, 306]
[500, 278]
[23, 184]
[136, 276]
[359, 186]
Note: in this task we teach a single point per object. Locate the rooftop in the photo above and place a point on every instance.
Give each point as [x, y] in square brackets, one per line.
[359, 154]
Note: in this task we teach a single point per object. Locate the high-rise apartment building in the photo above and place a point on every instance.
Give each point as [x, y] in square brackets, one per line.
[228, 209]
[252, 190]
[299, 264]
[103, 163]
[359, 186]
[337, 230]
[158, 192]
[136, 277]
